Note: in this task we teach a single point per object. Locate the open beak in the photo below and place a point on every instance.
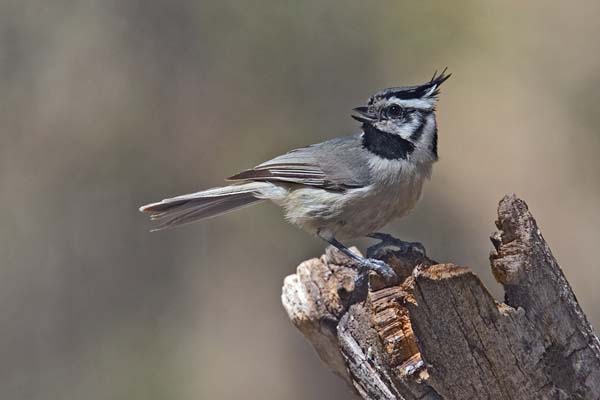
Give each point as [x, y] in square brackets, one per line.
[363, 115]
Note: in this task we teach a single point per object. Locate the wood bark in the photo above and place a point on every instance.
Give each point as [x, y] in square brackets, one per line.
[440, 334]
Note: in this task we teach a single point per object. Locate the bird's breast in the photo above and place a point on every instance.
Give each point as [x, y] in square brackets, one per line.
[393, 191]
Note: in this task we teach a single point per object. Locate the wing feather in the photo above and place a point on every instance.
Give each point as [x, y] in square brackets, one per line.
[334, 165]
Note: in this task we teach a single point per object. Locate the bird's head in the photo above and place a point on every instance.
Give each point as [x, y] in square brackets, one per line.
[400, 121]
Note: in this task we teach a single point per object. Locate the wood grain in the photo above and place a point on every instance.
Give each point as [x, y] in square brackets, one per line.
[440, 334]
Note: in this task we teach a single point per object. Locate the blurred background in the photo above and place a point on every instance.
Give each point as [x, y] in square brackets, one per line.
[109, 104]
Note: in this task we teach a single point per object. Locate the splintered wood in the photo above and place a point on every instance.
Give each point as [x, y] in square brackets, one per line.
[392, 324]
[440, 334]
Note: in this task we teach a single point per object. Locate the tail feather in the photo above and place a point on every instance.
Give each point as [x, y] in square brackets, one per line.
[188, 208]
[207, 210]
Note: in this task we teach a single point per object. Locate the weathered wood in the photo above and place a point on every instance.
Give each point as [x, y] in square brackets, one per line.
[440, 334]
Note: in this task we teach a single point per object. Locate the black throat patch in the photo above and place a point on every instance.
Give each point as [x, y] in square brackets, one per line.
[385, 145]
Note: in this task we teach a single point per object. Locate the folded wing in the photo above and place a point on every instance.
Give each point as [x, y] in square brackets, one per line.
[336, 164]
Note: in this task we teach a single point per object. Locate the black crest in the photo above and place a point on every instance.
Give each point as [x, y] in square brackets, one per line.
[413, 92]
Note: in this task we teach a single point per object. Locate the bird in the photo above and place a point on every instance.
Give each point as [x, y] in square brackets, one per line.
[343, 188]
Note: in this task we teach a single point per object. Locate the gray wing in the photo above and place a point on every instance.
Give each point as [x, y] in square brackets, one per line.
[337, 164]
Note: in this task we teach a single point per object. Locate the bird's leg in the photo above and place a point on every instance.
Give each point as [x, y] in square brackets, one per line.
[364, 264]
[388, 240]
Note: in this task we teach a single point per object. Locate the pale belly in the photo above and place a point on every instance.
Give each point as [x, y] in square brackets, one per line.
[352, 214]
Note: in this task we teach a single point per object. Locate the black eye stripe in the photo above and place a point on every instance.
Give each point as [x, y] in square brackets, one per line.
[419, 130]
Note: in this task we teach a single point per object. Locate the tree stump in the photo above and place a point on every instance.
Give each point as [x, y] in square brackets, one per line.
[440, 334]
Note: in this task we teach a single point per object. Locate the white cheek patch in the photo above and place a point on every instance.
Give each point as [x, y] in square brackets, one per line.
[404, 130]
[390, 127]
[423, 136]
[411, 127]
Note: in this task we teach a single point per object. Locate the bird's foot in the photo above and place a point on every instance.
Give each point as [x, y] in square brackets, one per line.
[364, 265]
[388, 240]
[380, 268]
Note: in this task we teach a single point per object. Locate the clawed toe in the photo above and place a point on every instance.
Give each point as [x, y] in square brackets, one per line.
[383, 270]
[388, 240]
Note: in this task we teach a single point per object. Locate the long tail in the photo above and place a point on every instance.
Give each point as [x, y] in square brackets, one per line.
[201, 205]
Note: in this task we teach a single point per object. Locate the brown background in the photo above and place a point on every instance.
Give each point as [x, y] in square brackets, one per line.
[106, 105]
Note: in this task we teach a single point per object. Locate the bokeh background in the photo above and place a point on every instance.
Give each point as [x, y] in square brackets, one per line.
[106, 105]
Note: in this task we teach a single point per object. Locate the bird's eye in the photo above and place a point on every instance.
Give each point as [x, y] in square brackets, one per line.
[394, 111]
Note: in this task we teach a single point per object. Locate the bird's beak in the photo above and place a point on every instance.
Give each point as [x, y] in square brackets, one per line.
[363, 115]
